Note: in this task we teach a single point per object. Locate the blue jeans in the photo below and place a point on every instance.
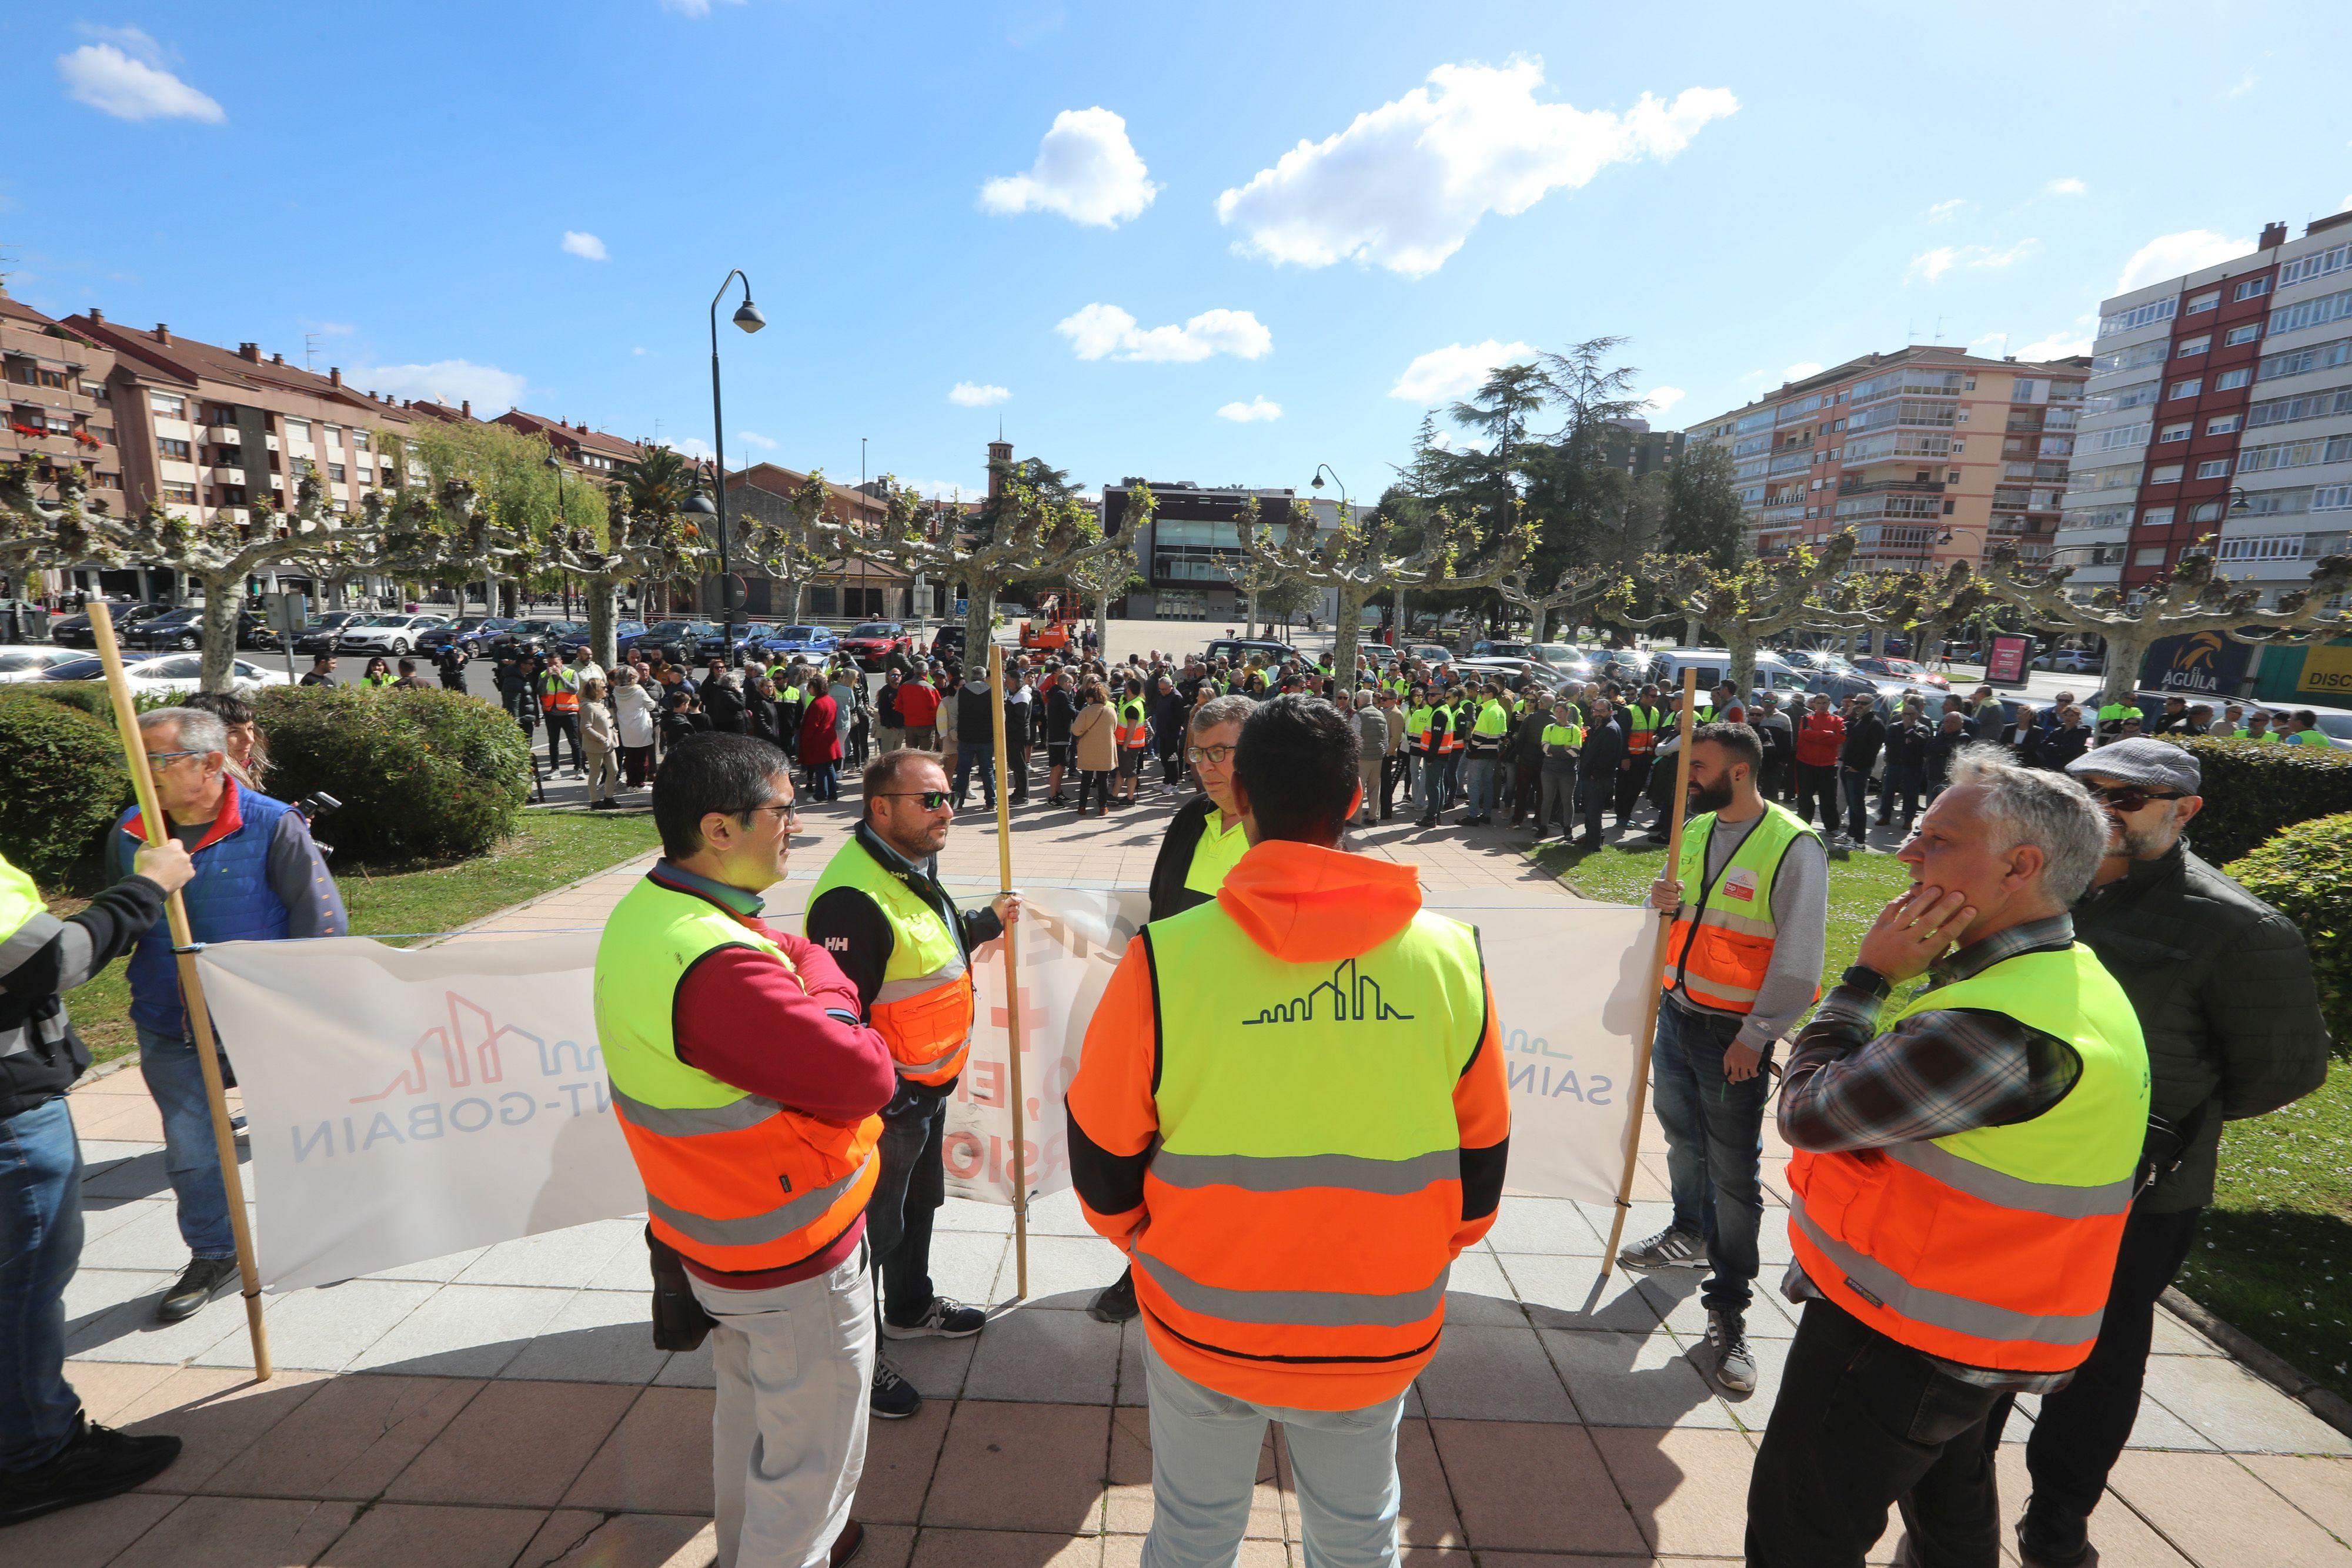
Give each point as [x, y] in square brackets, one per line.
[1856, 781]
[190, 1157]
[1715, 1144]
[40, 1243]
[983, 757]
[1480, 786]
[1204, 1453]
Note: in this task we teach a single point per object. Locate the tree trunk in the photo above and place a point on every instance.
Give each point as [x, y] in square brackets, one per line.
[2127, 651]
[1102, 618]
[1741, 645]
[1353, 597]
[602, 595]
[979, 625]
[224, 594]
[1690, 633]
[1401, 634]
[792, 601]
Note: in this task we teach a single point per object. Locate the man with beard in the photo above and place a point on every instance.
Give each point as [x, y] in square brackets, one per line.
[1743, 963]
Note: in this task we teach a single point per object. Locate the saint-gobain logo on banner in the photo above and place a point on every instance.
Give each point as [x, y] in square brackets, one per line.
[1547, 1075]
[466, 1077]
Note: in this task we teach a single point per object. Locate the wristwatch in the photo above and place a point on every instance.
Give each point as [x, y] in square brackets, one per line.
[1864, 979]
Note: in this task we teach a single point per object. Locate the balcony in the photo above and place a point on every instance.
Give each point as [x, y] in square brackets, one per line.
[1868, 508]
[222, 475]
[223, 436]
[1906, 487]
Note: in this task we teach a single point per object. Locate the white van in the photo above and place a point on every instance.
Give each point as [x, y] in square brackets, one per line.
[1773, 674]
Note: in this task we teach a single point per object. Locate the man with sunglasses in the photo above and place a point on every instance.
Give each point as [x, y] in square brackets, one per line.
[2223, 986]
[880, 912]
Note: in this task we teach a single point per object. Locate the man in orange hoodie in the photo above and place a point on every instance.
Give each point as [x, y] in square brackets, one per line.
[1292, 1156]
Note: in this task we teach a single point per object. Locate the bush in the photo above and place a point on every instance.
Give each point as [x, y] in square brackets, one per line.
[65, 785]
[88, 696]
[2253, 789]
[2306, 873]
[422, 775]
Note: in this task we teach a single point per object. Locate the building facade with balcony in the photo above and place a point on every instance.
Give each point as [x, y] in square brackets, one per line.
[1191, 545]
[1929, 454]
[60, 415]
[2219, 419]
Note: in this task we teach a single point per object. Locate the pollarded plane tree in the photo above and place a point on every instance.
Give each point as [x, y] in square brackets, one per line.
[780, 547]
[1357, 560]
[641, 546]
[36, 534]
[2191, 599]
[1926, 607]
[1102, 577]
[1747, 603]
[1577, 589]
[1255, 577]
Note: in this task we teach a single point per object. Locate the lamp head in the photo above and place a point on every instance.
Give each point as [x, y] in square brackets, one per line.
[698, 506]
[550, 461]
[1318, 481]
[748, 316]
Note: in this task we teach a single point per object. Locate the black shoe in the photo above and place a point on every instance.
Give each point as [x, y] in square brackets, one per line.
[1115, 1304]
[892, 1397]
[98, 1463]
[844, 1545]
[199, 1283]
[2052, 1537]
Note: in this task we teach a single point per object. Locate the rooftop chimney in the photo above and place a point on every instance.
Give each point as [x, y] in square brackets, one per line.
[249, 351]
[465, 407]
[163, 333]
[334, 375]
[277, 358]
[97, 316]
[2274, 235]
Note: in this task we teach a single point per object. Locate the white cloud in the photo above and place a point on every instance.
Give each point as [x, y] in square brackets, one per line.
[1106, 329]
[1086, 169]
[1932, 265]
[942, 489]
[123, 75]
[692, 446]
[1801, 370]
[444, 381]
[2069, 186]
[1256, 410]
[2243, 86]
[2168, 255]
[1447, 441]
[586, 247]
[1661, 400]
[2060, 345]
[1403, 186]
[1942, 210]
[640, 353]
[1445, 373]
[333, 328]
[974, 395]
[753, 438]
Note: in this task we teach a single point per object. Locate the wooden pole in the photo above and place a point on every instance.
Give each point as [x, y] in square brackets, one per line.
[1657, 993]
[192, 985]
[1012, 978]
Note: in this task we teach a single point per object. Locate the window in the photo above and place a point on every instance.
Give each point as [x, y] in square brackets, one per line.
[2157, 518]
[2136, 396]
[335, 472]
[2269, 547]
[334, 436]
[2310, 357]
[2205, 301]
[1969, 384]
[178, 492]
[2206, 512]
[2296, 454]
[2130, 359]
[2230, 381]
[1960, 448]
[2138, 315]
[1953, 477]
[2246, 334]
[1837, 425]
[2309, 406]
[2190, 346]
[2175, 431]
[2226, 425]
[1950, 506]
[178, 451]
[297, 430]
[2253, 288]
[2152, 555]
[2213, 468]
[2332, 499]
[2189, 388]
[2305, 268]
[2022, 389]
[2311, 312]
[2164, 473]
[360, 440]
[169, 407]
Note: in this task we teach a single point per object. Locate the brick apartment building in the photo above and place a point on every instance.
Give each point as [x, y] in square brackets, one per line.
[60, 413]
[2219, 418]
[1929, 454]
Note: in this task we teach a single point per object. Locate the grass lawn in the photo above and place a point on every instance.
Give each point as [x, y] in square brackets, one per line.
[2274, 1255]
[548, 851]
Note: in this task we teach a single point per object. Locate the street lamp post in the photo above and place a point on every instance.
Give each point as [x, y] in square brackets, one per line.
[562, 522]
[748, 316]
[1396, 631]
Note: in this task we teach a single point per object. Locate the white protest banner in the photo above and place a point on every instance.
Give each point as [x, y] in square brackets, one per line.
[404, 1104]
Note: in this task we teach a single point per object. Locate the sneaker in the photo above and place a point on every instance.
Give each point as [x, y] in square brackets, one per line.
[99, 1462]
[1735, 1364]
[946, 1319]
[2053, 1537]
[1115, 1304]
[892, 1397]
[199, 1283]
[844, 1545]
[1669, 1249]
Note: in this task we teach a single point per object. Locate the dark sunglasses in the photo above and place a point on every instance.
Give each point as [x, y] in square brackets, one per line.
[932, 800]
[2131, 797]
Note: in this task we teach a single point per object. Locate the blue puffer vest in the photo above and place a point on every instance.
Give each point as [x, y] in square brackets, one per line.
[229, 900]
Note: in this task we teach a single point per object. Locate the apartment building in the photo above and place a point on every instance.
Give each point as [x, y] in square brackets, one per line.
[1929, 454]
[1192, 543]
[2219, 419]
[60, 415]
[591, 453]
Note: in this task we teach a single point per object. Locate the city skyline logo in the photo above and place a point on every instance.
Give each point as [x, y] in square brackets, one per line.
[1351, 998]
[469, 1053]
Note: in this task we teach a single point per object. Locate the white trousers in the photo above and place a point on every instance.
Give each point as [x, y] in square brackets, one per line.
[788, 1439]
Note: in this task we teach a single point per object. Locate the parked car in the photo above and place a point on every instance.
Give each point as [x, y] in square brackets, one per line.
[2070, 662]
[394, 634]
[1511, 648]
[184, 628]
[946, 642]
[1239, 648]
[679, 642]
[783, 642]
[1430, 652]
[174, 674]
[1898, 669]
[325, 633]
[468, 632]
[871, 642]
[1714, 665]
[1567, 661]
[74, 630]
[1516, 674]
[750, 637]
[22, 662]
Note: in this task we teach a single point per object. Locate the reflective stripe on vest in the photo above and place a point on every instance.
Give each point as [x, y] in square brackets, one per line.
[924, 1005]
[1307, 1184]
[715, 1159]
[1994, 1247]
[1642, 732]
[1441, 726]
[1721, 945]
[559, 690]
[1136, 734]
[1416, 728]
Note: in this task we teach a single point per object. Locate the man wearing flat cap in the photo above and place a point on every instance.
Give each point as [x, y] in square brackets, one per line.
[2222, 985]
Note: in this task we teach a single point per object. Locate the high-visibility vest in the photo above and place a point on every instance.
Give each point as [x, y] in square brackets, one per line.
[1641, 730]
[1416, 729]
[1442, 740]
[1306, 1185]
[2249, 735]
[1569, 734]
[1215, 854]
[1721, 945]
[387, 680]
[1993, 1247]
[733, 1180]
[558, 689]
[1493, 718]
[2115, 713]
[925, 1006]
[1135, 734]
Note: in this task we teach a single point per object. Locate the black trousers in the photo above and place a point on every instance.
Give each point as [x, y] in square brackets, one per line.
[2082, 1427]
[1818, 784]
[1630, 782]
[562, 726]
[1016, 772]
[1863, 1422]
[1593, 794]
[1393, 769]
[908, 1188]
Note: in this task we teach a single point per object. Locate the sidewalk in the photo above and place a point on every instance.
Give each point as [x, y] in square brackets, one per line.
[505, 1407]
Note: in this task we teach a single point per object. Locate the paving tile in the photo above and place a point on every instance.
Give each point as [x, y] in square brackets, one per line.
[1127, 1551]
[657, 1460]
[2321, 1486]
[2122, 1537]
[939, 1368]
[129, 1331]
[1677, 1296]
[973, 1266]
[325, 1329]
[1057, 1214]
[970, 1214]
[103, 1217]
[91, 1534]
[118, 1118]
[598, 1336]
[1628, 1380]
[149, 1239]
[1007, 1549]
[1533, 1488]
[1126, 1500]
[899, 1458]
[216, 1413]
[399, 1534]
[518, 1444]
[138, 1174]
[348, 1440]
[239, 1533]
[1556, 1290]
[106, 1387]
[695, 1368]
[1064, 1271]
[1493, 1375]
[2174, 1337]
[1062, 1357]
[573, 1538]
[2237, 1409]
[92, 1293]
[1021, 1466]
[440, 1270]
[1688, 1489]
[573, 1256]
[1551, 1224]
[1478, 1294]
[2220, 1514]
[465, 1330]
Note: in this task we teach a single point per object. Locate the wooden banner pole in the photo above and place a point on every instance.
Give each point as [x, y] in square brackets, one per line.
[1641, 1092]
[192, 985]
[1012, 979]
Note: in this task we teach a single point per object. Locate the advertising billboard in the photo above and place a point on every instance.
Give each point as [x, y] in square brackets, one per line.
[2006, 664]
[2199, 664]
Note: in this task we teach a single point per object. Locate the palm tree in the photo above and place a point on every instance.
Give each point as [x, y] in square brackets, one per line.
[655, 487]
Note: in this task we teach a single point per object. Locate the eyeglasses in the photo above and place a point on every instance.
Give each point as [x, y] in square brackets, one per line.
[2128, 798]
[787, 814]
[159, 760]
[931, 799]
[1207, 756]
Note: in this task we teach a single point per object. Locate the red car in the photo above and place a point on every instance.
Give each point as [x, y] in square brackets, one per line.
[1899, 670]
[871, 642]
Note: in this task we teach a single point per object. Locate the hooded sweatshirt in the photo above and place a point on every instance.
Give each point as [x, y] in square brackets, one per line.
[1315, 908]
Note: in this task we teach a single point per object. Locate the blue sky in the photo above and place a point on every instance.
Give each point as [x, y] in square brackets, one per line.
[1107, 225]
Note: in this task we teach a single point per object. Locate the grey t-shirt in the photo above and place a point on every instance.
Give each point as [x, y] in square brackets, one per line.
[1800, 913]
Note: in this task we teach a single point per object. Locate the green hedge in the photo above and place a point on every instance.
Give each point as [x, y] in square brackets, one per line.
[2306, 873]
[89, 696]
[422, 773]
[2253, 789]
[65, 784]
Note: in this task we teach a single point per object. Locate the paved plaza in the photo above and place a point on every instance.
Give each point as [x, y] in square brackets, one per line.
[505, 1407]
